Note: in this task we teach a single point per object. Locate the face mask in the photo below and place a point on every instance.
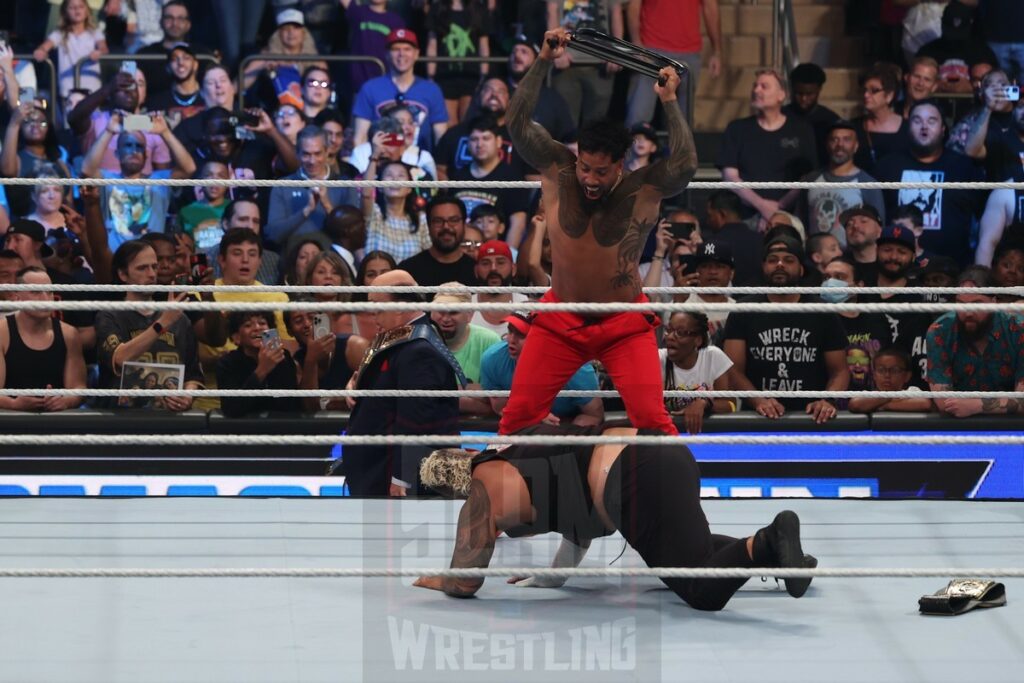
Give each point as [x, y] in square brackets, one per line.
[836, 296]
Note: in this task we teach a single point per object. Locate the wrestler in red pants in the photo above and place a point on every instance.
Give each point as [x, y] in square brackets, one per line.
[560, 342]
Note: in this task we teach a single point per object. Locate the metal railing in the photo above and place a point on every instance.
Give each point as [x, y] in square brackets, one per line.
[54, 103]
[123, 56]
[785, 52]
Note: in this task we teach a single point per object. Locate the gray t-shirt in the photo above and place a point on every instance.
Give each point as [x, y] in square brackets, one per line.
[824, 205]
[595, 14]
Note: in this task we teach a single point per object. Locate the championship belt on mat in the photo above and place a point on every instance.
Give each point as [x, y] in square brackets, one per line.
[963, 595]
[625, 54]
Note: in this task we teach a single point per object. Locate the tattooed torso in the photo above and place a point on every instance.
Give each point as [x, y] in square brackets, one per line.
[596, 247]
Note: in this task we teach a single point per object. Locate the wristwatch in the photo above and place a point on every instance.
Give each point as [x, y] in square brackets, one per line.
[158, 328]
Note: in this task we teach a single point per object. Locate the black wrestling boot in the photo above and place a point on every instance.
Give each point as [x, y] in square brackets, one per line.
[778, 545]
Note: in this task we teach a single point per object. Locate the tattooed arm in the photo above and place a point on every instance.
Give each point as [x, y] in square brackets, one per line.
[530, 139]
[965, 407]
[673, 173]
[474, 544]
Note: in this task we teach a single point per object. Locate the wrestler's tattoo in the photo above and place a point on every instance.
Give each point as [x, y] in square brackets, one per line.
[530, 139]
[474, 541]
[629, 255]
[996, 405]
[672, 174]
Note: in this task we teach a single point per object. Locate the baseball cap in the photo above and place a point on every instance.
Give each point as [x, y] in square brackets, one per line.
[185, 47]
[645, 129]
[494, 248]
[842, 124]
[715, 251]
[403, 35]
[898, 234]
[521, 39]
[520, 320]
[290, 16]
[862, 210]
[33, 229]
[786, 244]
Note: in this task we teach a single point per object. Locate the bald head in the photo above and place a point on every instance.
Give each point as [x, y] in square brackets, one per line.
[394, 278]
[389, 318]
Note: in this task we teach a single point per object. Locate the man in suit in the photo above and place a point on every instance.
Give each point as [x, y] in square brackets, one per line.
[408, 353]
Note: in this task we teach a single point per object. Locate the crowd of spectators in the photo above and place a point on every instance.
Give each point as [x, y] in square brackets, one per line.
[297, 115]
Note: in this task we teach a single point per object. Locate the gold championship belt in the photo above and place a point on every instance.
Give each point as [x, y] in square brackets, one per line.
[963, 595]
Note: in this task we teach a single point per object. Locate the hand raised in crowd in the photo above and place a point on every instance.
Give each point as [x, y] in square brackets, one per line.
[995, 97]
[21, 113]
[90, 194]
[73, 221]
[265, 125]
[6, 57]
[320, 348]
[122, 80]
[768, 407]
[269, 357]
[159, 124]
[116, 123]
[168, 318]
[664, 239]
[822, 411]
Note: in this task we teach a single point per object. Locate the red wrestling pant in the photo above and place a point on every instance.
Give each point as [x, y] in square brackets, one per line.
[560, 342]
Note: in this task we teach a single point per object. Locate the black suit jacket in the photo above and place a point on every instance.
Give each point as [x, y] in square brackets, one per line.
[412, 365]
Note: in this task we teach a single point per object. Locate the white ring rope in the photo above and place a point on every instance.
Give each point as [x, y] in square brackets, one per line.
[438, 440]
[491, 572]
[618, 307]
[397, 289]
[492, 393]
[485, 184]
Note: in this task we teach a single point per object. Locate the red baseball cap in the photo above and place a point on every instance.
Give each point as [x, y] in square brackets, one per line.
[520, 321]
[403, 35]
[494, 248]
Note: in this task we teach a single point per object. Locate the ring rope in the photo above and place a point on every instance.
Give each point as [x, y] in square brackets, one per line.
[536, 440]
[484, 184]
[450, 289]
[490, 572]
[617, 307]
[492, 393]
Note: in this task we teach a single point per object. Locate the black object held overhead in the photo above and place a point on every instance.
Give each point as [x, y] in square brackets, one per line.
[621, 52]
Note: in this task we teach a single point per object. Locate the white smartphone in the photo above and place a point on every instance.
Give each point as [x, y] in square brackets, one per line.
[138, 122]
[129, 66]
[321, 325]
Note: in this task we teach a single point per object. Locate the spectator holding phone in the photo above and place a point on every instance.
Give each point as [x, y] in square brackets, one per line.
[399, 123]
[30, 150]
[144, 336]
[259, 361]
[130, 211]
[328, 360]
[679, 230]
[997, 135]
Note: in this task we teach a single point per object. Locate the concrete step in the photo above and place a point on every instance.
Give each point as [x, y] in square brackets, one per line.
[841, 83]
[829, 51]
[818, 20]
[740, 51]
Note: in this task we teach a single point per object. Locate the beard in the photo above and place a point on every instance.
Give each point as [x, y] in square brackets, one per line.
[978, 330]
[505, 281]
[445, 247]
[919, 150]
[895, 271]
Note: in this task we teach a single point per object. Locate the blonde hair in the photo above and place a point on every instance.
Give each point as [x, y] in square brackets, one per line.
[448, 469]
[64, 25]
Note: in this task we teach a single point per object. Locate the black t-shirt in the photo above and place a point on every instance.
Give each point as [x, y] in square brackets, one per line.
[873, 147]
[866, 335]
[786, 351]
[235, 370]
[508, 201]
[909, 331]
[1004, 151]
[452, 151]
[820, 118]
[428, 272]
[786, 154]
[949, 215]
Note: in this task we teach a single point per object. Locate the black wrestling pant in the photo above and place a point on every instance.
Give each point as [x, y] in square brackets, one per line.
[653, 496]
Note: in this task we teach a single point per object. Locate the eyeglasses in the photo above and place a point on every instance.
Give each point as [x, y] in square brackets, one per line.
[470, 244]
[285, 113]
[179, 20]
[42, 123]
[453, 221]
[673, 332]
[313, 83]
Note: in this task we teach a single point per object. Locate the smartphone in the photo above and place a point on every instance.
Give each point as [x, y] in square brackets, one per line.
[243, 133]
[129, 66]
[138, 122]
[244, 118]
[182, 280]
[682, 231]
[27, 95]
[1012, 93]
[394, 140]
[5, 38]
[199, 267]
[687, 262]
[321, 325]
[271, 339]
